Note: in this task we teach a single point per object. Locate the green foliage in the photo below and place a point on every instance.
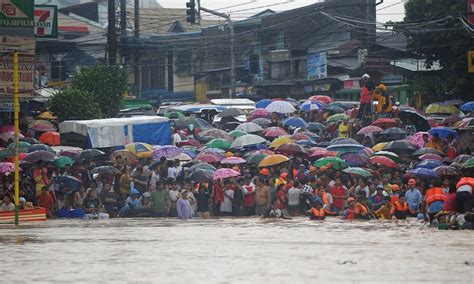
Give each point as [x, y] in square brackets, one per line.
[74, 104]
[106, 84]
[446, 41]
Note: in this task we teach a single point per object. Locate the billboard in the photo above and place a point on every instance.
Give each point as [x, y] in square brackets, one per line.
[26, 72]
[46, 21]
[316, 64]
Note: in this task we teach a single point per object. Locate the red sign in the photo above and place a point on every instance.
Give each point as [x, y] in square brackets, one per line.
[470, 12]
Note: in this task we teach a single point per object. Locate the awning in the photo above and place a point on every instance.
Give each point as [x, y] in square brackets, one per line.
[44, 94]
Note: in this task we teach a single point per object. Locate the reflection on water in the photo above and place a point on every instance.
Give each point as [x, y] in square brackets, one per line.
[233, 250]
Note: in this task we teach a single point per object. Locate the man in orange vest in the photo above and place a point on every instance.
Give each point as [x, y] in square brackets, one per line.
[400, 207]
[434, 198]
[464, 198]
[316, 212]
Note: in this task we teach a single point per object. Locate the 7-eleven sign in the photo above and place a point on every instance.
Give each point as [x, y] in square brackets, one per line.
[46, 21]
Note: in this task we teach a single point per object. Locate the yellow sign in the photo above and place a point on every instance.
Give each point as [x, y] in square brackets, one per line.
[470, 61]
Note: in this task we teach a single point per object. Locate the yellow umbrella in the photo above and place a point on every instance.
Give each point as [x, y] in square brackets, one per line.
[47, 115]
[379, 147]
[281, 140]
[124, 154]
[272, 160]
[441, 108]
[141, 150]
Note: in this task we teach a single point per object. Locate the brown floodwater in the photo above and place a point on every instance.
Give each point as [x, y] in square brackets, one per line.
[243, 250]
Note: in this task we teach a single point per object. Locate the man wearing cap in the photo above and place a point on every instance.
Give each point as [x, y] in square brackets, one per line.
[413, 197]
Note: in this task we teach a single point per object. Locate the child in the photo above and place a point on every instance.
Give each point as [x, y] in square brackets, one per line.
[316, 212]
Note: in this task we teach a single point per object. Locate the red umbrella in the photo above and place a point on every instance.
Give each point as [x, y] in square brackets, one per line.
[324, 99]
[274, 132]
[385, 123]
[299, 136]
[291, 149]
[319, 153]
[50, 138]
[21, 156]
[208, 158]
[370, 129]
[383, 161]
[259, 113]
[430, 156]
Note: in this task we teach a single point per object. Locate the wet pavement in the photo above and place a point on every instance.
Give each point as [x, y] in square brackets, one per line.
[240, 250]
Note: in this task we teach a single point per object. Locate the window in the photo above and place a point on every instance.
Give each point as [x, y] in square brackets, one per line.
[58, 70]
[153, 75]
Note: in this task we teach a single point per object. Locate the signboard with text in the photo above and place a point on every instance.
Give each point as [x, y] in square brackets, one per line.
[46, 21]
[16, 17]
[26, 75]
[377, 63]
[316, 64]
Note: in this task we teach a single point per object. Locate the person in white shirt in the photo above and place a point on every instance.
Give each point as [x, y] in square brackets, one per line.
[294, 199]
[7, 204]
[226, 206]
[362, 186]
[172, 171]
[176, 138]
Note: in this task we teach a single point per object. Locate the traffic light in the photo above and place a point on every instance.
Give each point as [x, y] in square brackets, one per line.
[191, 11]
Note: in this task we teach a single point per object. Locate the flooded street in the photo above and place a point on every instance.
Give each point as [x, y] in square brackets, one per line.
[234, 250]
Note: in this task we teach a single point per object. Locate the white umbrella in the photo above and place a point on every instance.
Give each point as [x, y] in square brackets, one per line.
[280, 107]
[249, 127]
[246, 140]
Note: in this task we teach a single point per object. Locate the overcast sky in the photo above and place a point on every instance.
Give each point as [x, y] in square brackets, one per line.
[389, 10]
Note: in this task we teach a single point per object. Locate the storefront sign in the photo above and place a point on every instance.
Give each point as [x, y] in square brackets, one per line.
[46, 21]
[26, 75]
[377, 63]
[317, 65]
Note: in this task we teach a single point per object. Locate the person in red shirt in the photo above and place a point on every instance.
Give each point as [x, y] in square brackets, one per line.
[365, 97]
[338, 193]
[46, 201]
[450, 199]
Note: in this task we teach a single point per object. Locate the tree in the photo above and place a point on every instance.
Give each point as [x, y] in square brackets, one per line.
[106, 84]
[74, 104]
[435, 33]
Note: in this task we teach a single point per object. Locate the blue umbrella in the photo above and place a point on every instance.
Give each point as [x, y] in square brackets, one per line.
[429, 164]
[295, 122]
[468, 107]
[68, 181]
[443, 132]
[423, 173]
[263, 103]
[190, 153]
[345, 148]
[311, 105]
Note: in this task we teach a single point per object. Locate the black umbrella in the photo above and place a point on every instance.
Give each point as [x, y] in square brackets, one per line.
[36, 156]
[342, 140]
[316, 127]
[68, 181]
[104, 170]
[423, 151]
[201, 176]
[332, 109]
[88, 154]
[230, 125]
[40, 147]
[401, 147]
[412, 117]
[190, 163]
[263, 122]
[394, 133]
[231, 112]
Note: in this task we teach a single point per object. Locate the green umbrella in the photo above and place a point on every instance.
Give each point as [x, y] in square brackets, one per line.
[175, 115]
[237, 133]
[219, 143]
[392, 156]
[6, 153]
[469, 164]
[358, 171]
[256, 158]
[337, 163]
[62, 161]
[24, 146]
[337, 117]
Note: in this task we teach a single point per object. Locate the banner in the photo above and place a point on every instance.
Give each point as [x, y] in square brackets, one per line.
[316, 64]
[26, 72]
[46, 21]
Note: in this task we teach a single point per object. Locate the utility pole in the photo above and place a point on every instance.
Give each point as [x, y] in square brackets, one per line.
[136, 51]
[123, 17]
[111, 35]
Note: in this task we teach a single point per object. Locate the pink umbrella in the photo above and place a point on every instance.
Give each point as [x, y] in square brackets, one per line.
[208, 158]
[430, 156]
[274, 132]
[370, 129]
[319, 153]
[7, 167]
[417, 139]
[9, 135]
[300, 136]
[324, 99]
[259, 113]
[233, 160]
[7, 128]
[225, 173]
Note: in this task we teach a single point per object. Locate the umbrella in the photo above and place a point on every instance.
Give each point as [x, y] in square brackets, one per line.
[247, 140]
[333, 109]
[400, 147]
[124, 154]
[345, 148]
[430, 156]
[68, 181]
[141, 150]
[291, 149]
[295, 122]
[40, 122]
[468, 164]
[43, 128]
[215, 133]
[342, 140]
[224, 173]
[190, 142]
[62, 162]
[300, 136]
[369, 130]
[468, 107]
[40, 147]
[175, 115]
[379, 146]
[183, 157]
[202, 166]
[412, 117]
[337, 163]
[256, 158]
[383, 161]
[228, 126]
[30, 140]
[105, 170]
[280, 107]
[337, 117]
[292, 101]
[272, 160]
[417, 139]
[231, 112]
[201, 176]
[355, 159]
[249, 127]
[316, 127]
[40, 156]
[263, 122]
[214, 151]
[446, 171]
[274, 132]
[21, 156]
[219, 143]
[324, 99]
[10, 135]
[259, 113]
[280, 141]
[310, 105]
[394, 133]
[441, 108]
[208, 158]
[423, 151]
[358, 172]
[392, 156]
[50, 138]
[385, 123]
[88, 154]
[23, 147]
[462, 158]
[166, 151]
[263, 103]
[424, 173]
[237, 133]
[443, 132]
[233, 161]
[321, 152]
[6, 167]
[429, 164]
[47, 115]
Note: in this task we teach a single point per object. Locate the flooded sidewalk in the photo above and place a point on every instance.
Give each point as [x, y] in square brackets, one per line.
[234, 251]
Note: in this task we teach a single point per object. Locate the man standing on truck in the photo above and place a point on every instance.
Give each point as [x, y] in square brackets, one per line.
[365, 97]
